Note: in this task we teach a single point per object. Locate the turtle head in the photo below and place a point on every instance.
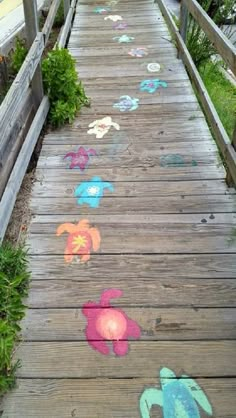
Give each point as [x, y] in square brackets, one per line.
[96, 179]
[165, 376]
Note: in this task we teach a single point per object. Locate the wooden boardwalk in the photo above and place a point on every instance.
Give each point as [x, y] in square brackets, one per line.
[167, 226]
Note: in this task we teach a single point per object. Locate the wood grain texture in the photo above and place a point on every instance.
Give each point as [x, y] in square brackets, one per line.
[150, 292]
[77, 359]
[144, 205]
[135, 266]
[167, 237]
[142, 234]
[83, 398]
[138, 189]
[68, 324]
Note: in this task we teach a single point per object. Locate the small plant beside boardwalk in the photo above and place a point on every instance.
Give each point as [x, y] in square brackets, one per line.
[65, 92]
[14, 280]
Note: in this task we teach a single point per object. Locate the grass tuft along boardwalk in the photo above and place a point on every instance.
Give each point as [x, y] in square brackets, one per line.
[132, 240]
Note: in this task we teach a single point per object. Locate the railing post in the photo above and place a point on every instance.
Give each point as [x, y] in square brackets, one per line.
[66, 8]
[229, 179]
[183, 22]
[234, 138]
[3, 73]
[31, 29]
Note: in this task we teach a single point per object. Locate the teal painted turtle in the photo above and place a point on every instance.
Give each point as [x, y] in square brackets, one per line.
[178, 398]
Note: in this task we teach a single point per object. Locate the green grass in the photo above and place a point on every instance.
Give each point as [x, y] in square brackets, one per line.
[222, 93]
[14, 279]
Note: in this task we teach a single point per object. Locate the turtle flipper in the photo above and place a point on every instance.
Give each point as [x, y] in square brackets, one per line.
[150, 397]
[197, 393]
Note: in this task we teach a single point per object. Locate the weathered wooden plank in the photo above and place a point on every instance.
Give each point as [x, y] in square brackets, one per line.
[101, 397]
[157, 234]
[124, 158]
[155, 292]
[86, 22]
[120, 51]
[138, 189]
[164, 42]
[20, 167]
[156, 323]
[221, 220]
[145, 173]
[146, 204]
[77, 359]
[135, 266]
[58, 149]
[130, 68]
[191, 129]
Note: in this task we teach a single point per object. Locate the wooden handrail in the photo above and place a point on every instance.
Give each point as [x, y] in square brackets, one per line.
[66, 28]
[12, 102]
[9, 197]
[221, 43]
[222, 139]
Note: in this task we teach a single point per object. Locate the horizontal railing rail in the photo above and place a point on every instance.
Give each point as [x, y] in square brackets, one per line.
[221, 43]
[227, 51]
[18, 139]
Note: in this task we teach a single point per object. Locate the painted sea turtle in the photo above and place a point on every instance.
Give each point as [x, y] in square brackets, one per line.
[179, 398]
[82, 239]
[108, 324]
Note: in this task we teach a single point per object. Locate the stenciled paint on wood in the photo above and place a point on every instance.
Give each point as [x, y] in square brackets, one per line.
[124, 39]
[112, 3]
[154, 67]
[151, 86]
[109, 324]
[82, 239]
[138, 52]
[127, 104]
[91, 192]
[114, 18]
[101, 127]
[120, 26]
[176, 160]
[101, 9]
[178, 398]
[80, 158]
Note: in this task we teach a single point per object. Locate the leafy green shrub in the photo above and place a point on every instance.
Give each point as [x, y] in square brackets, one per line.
[18, 55]
[14, 279]
[61, 84]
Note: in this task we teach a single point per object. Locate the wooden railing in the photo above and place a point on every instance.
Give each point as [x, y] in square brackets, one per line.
[227, 51]
[25, 107]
